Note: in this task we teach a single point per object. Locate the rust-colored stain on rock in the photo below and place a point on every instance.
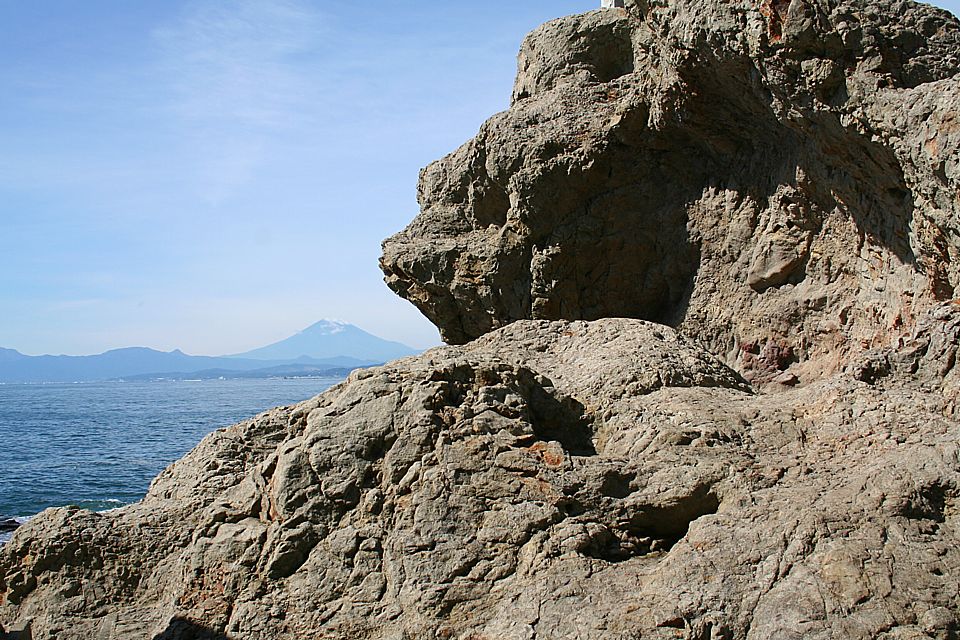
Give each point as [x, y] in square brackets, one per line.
[550, 452]
[775, 11]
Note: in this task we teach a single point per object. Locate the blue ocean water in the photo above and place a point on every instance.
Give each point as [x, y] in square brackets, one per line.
[99, 445]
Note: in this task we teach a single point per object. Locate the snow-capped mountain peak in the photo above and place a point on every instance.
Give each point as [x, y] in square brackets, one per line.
[331, 338]
[327, 326]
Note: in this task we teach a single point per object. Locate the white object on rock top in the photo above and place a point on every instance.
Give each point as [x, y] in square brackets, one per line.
[610, 4]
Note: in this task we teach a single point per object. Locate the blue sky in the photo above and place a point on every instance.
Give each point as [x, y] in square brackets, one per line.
[214, 175]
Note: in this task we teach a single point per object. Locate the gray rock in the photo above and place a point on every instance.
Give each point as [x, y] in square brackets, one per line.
[774, 174]
[602, 479]
[8, 524]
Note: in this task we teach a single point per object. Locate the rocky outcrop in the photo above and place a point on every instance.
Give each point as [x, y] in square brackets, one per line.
[602, 479]
[8, 524]
[777, 179]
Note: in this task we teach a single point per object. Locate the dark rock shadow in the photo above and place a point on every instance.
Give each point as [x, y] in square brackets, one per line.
[933, 501]
[24, 633]
[183, 629]
[650, 529]
[744, 144]
[562, 420]
[867, 179]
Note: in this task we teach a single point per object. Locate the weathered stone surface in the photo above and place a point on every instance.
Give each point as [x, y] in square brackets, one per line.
[772, 174]
[602, 479]
[778, 180]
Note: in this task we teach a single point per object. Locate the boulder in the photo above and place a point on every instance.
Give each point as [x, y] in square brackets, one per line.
[605, 479]
[771, 175]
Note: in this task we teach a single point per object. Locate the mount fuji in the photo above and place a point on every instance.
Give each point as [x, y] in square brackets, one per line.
[329, 347]
[330, 339]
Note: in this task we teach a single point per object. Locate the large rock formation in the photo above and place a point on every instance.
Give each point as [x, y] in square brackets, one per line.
[549, 480]
[780, 183]
[778, 179]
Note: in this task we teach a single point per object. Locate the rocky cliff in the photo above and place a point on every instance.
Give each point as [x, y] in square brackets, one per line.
[778, 183]
[777, 179]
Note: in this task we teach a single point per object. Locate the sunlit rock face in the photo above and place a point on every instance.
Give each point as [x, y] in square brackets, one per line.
[603, 479]
[778, 180]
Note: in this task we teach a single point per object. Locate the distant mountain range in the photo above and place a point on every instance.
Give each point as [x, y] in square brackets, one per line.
[325, 348]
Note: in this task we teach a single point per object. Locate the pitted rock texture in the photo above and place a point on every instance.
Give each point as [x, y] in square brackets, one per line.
[599, 479]
[778, 179]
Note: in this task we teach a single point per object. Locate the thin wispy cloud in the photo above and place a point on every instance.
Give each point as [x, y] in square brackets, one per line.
[236, 78]
[237, 61]
[170, 164]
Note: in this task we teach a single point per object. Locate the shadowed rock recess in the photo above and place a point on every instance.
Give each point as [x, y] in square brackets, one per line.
[776, 181]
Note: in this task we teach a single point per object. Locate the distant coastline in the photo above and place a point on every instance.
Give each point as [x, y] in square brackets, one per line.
[280, 372]
[326, 348]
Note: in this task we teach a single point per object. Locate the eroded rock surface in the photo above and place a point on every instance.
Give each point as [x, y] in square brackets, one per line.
[602, 479]
[779, 180]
